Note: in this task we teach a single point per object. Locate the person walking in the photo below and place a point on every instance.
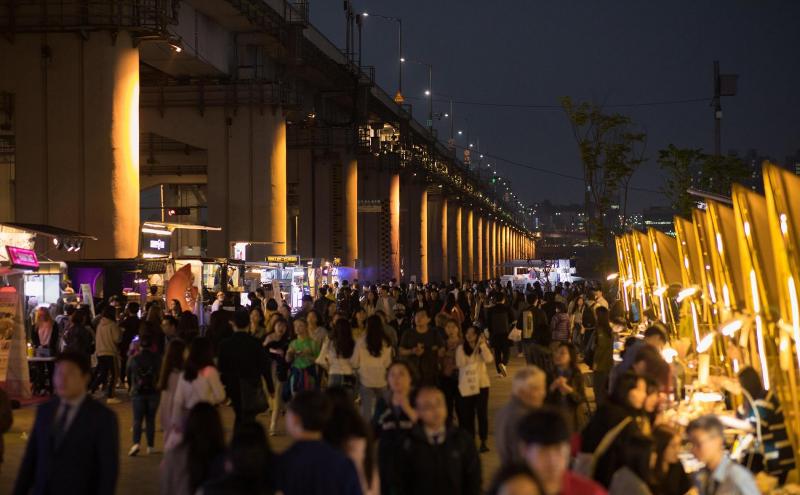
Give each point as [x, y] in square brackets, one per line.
[243, 362]
[73, 447]
[566, 389]
[200, 382]
[473, 385]
[449, 378]
[528, 392]
[277, 346]
[107, 340]
[302, 354]
[498, 320]
[373, 355]
[602, 359]
[129, 328]
[545, 437]
[311, 466]
[424, 348]
[437, 459]
[337, 356]
[171, 370]
[198, 457]
[143, 372]
[393, 420]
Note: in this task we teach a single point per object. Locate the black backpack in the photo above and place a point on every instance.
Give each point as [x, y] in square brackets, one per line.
[144, 380]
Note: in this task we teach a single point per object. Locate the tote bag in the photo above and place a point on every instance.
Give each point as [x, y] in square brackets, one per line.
[468, 380]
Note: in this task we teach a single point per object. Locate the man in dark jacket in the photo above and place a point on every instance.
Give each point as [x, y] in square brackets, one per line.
[311, 466]
[242, 363]
[498, 321]
[130, 329]
[437, 459]
[74, 445]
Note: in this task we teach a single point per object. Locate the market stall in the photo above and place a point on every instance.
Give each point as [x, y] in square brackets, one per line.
[732, 305]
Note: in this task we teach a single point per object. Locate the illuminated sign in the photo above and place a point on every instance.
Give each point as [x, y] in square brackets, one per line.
[22, 258]
[288, 259]
[158, 244]
[155, 244]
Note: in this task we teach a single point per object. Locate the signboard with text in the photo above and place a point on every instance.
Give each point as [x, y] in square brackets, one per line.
[22, 258]
[286, 259]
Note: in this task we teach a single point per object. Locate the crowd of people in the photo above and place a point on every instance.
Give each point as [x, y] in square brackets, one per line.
[383, 389]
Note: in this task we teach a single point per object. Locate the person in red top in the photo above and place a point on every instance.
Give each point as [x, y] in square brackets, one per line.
[544, 437]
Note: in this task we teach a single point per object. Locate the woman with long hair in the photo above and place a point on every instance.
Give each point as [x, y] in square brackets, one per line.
[337, 356]
[668, 475]
[199, 382]
[175, 308]
[171, 369]
[370, 303]
[277, 346]
[393, 420]
[373, 355]
[349, 432]
[473, 384]
[359, 323]
[452, 309]
[317, 331]
[258, 327]
[620, 417]
[448, 379]
[198, 457]
[566, 388]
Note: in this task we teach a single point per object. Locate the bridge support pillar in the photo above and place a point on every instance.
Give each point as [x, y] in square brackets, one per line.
[76, 129]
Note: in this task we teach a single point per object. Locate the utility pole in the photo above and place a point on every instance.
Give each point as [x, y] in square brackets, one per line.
[717, 110]
[724, 85]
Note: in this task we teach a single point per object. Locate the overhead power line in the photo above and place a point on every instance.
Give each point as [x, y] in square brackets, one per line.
[551, 172]
[540, 106]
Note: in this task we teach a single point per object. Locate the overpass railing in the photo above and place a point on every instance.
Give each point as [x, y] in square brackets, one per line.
[26, 16]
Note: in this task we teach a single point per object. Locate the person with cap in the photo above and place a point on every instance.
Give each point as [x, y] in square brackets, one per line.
[242, 364]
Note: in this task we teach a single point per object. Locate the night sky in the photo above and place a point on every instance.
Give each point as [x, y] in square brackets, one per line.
[617, 52]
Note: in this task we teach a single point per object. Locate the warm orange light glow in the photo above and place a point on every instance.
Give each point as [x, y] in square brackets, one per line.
[125, 149]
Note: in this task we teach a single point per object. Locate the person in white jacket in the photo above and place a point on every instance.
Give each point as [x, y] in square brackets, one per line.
[337, 355]
[473, 384]
[107, 339]
[372, 358]
[199, 382]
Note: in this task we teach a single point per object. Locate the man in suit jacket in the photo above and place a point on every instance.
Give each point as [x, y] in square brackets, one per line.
[74, 445]
[242, 358]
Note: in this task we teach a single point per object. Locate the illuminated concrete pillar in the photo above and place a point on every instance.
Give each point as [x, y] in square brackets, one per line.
[479, 249]
[469, 272]
[444, 233]
[459, 273]
[489, 249]
[423, 235]
[494, 249]
[76, 132]
[247, 181]
[394, 220]
[350, 212]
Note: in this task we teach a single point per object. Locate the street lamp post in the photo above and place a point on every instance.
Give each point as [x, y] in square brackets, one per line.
[428, 92]
[398, 98]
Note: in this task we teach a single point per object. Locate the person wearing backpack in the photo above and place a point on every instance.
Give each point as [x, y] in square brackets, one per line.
[143, 371]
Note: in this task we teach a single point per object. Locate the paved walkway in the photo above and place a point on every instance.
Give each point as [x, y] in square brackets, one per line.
[139, 475]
